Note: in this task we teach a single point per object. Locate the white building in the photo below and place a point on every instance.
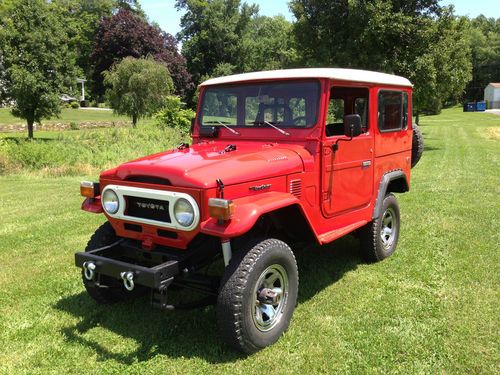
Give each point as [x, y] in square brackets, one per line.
[492, 95]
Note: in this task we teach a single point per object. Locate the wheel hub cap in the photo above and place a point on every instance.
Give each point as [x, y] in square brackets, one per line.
[269, 297]
[388, 228]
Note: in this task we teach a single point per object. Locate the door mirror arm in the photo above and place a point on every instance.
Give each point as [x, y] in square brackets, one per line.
[352, 128]
[335, 146]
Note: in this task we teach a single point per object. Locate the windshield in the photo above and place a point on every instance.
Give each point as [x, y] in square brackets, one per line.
[283, 104]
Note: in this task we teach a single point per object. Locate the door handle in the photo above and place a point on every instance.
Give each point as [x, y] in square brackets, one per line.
[366, 163]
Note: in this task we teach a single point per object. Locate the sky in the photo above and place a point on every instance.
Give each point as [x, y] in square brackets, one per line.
[164, 13]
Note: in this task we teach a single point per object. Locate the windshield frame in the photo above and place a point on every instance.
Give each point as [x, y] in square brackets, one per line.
[317, 114]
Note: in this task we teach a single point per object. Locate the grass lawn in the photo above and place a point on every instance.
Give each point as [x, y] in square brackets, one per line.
[432, 308]
[67, 115]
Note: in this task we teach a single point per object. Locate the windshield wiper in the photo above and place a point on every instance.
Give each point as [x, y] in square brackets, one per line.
[224, 125]
[272, 126]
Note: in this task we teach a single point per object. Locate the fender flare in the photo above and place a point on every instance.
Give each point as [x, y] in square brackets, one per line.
[247, 211]
[384, 184]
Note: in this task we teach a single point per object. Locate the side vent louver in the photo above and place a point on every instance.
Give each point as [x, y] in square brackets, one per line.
[296, 187]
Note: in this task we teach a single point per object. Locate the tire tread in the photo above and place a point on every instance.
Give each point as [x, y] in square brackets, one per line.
[230, 312]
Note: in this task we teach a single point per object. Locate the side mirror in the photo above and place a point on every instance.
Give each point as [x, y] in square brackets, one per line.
[352, 125]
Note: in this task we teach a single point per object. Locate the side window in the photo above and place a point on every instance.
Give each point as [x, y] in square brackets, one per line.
[344, 101]
[390, 110]
[335, 111]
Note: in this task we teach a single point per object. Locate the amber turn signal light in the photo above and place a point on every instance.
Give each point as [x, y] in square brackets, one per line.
[89, 189]
[220, 209]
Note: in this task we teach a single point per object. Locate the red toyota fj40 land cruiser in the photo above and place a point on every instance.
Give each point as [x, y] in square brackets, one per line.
[277, 157]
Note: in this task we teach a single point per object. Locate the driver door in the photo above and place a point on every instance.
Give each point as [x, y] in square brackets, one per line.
[347, 174]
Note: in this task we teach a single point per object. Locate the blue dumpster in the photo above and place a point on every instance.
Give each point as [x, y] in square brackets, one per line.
[480, 106]
[469, 107]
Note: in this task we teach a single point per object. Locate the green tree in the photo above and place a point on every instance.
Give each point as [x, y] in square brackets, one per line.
[485, 46]
[138, 87]
[212, 33]
[38, 66]
[417, 38]
[81, 20]
[220, 70]
[268, 44]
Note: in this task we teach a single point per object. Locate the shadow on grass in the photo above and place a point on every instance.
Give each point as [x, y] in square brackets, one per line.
[189, 333]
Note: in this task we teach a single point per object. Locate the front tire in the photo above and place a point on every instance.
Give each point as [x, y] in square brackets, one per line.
[258, 295]
[379, 238]
[107, 290]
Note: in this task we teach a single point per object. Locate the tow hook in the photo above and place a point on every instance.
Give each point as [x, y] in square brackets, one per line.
[89, 270]
[128, 280]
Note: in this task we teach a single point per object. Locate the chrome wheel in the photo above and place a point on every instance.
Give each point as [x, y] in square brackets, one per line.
[270, 297]
[388, 228]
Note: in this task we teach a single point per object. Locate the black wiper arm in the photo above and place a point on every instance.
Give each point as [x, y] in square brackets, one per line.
[224, 125]
[272, 126]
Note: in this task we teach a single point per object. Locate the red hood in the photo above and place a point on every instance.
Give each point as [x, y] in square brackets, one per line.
[200, 165]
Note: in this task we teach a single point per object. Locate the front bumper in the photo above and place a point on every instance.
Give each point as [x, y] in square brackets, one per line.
[127, 262]
[123, 261]
[110, 261]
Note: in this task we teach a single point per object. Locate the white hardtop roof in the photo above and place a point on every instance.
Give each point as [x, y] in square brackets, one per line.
[350, 75]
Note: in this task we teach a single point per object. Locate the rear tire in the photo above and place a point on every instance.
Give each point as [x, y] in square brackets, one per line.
[247, 320]
[379, 238]
[109, 289]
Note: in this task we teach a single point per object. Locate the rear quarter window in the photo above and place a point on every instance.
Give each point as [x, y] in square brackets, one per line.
[392, 110]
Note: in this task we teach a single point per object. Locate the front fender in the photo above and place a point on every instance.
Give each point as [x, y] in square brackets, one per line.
[247, 211]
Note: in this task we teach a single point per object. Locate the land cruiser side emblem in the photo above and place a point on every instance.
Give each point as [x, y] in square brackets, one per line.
[260, 187]
[151, 206]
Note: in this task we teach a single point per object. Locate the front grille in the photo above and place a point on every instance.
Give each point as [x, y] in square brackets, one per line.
[145, 208]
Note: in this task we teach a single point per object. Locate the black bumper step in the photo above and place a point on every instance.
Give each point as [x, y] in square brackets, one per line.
[149, 268]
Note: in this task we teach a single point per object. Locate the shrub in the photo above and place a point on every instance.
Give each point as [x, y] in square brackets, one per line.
[85, 151]
[174, 115]
[74, 125]
[5, 164]
[75, 105]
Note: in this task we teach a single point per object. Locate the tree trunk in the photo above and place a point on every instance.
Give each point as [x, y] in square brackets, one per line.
[30, 128]
[134, 120]
[417, 117]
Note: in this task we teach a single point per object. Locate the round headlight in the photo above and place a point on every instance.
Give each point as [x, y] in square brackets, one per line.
[184, 212]
[110, 201]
